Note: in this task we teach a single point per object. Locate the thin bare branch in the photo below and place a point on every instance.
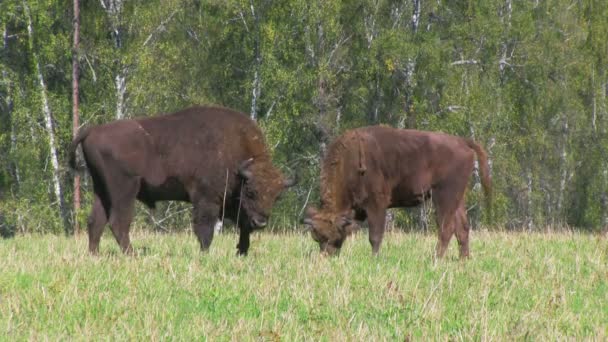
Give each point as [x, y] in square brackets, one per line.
[160, 27]
[465, 62]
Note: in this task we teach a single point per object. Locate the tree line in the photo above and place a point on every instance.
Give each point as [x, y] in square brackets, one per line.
[526, 79]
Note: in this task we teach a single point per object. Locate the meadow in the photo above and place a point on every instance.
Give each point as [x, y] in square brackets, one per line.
[516, 286]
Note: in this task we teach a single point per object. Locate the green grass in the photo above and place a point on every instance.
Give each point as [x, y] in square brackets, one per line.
[515, 287]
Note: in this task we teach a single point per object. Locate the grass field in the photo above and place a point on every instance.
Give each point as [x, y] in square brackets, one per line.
[516, 287]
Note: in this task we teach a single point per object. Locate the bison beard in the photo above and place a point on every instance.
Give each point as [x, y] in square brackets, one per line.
[213, 157]
[371, 169]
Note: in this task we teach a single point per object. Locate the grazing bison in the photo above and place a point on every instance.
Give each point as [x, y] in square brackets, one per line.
[370, 169]
[213, 157]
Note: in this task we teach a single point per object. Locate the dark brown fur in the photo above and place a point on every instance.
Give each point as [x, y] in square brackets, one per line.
[370, 169]
[194, 155]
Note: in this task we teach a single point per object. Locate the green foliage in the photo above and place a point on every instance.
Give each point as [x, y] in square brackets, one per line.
[525, 79]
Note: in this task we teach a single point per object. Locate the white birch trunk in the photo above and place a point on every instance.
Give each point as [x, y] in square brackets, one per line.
[564, 166]
[369, 22]
[113, 9]
[9, 109]
[75, 108]
[371, 33]
[505, 17]
[257, 83]
[255, 93]
[529, 209]
[594, 110]
[604, 198]
[476, 178]
[604, 114]
[416, 16]
[121, 89]
[48, 121]
[489, 148]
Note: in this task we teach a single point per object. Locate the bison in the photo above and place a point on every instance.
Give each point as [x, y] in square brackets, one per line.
[370, 169]
[214, 158]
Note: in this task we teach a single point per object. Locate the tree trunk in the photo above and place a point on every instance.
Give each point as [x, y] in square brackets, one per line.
[48, 121]
[121, 90]
[75, 115]
[371, 32]
[564, 167]
[604, 199]
[529, 209]
[409, 72]
[257, 83]
[113, 9]
[13, 169]
[476, 183]
[416, 16]
[604, 116]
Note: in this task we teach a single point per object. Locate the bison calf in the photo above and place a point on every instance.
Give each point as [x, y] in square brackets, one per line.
[370, 169]
[213, 157]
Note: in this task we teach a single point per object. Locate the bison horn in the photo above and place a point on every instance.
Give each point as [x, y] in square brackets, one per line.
[244, 168]
[307, 221]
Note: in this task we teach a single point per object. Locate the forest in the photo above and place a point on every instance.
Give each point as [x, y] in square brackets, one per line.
[527, 79]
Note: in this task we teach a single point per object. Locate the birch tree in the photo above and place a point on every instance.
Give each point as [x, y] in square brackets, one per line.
[8, 106]
[75, 114]
[114, 12]
[48, 122]
[257, 62]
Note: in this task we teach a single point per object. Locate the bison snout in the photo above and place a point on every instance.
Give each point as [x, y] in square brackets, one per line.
[329, 250]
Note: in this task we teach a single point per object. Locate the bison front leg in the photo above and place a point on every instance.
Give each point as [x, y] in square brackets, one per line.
[243, 245]
[204, 217]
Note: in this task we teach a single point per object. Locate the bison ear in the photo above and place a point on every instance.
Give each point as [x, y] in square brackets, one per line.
[244, 168]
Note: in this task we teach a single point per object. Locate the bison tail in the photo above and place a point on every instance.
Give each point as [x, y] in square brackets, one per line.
[82, 133]
[484, 170]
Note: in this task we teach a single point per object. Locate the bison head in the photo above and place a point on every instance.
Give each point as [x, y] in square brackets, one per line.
[262, 185]
[329, 229]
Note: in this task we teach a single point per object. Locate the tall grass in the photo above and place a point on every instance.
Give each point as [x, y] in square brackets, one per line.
[515, 286]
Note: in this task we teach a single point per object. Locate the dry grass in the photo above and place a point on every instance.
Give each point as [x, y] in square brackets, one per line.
[516, 286]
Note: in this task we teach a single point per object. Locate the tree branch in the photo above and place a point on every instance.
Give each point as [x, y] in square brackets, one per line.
[465, 62]
[159, 27]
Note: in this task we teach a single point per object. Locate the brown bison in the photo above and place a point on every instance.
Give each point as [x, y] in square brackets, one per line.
[214, 158]
[370, 169]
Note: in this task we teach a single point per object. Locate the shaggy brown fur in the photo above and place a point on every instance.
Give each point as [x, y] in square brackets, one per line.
[370, 169]
[194, 155]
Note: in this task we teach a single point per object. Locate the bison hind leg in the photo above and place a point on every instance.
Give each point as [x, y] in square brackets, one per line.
[96, 222]
[376, 218]
[447, 200]
[123, 206]
[462, 229]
